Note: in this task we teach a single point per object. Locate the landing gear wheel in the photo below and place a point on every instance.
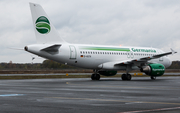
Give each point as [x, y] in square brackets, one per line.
[95, 76]
[153, 78]
[123, 77]
[126, 76]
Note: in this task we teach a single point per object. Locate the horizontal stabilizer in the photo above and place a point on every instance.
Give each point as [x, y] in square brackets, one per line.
[54, 49]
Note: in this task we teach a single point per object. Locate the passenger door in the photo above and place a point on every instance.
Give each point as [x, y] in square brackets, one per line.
[73, 53]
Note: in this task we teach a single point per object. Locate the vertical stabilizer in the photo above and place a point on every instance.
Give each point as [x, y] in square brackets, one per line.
[44, 30]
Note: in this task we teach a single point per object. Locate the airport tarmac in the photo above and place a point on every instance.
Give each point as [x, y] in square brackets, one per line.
[81, 95]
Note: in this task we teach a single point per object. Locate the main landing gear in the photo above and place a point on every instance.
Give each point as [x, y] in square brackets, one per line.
[153, 78]
[126, 76]
[95, 75]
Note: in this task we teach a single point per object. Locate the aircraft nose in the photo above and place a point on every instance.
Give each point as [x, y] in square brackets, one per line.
[169, 62]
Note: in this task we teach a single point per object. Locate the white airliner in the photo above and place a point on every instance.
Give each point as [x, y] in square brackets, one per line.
[104, 60]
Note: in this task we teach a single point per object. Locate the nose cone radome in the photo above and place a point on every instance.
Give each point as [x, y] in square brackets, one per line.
[168, 62]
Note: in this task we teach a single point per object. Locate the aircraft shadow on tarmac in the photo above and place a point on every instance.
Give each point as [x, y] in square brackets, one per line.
[145, 79]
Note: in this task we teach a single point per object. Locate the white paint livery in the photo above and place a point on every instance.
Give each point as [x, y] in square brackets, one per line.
[96, 57]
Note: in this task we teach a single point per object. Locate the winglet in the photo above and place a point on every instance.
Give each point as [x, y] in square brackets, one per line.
[173, 52]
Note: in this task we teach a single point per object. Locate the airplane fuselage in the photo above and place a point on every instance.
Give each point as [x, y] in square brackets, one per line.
[92, 56]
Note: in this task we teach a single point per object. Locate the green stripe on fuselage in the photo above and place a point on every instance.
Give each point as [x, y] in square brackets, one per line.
[105, 48]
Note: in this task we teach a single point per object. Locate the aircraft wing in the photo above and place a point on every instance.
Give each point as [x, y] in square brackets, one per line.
[144, 59]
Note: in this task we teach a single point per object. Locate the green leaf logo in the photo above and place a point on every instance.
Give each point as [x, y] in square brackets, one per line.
[43, 25]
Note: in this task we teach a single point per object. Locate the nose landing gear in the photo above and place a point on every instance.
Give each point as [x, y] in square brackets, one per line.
[95, 75]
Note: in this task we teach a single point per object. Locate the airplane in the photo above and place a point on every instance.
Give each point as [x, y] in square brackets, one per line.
[102, 59]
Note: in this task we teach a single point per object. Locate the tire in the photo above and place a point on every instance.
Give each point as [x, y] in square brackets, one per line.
[93, 77]
[153, 78]
[123, 77]
[97, 76]
[128, 77]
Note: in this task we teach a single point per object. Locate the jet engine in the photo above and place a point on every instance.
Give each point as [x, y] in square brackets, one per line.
[154, 69]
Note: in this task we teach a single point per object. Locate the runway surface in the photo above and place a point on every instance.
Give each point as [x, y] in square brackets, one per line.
[81, 95]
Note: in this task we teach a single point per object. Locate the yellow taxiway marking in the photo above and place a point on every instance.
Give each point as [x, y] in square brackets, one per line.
[109, 100]
[67, 74]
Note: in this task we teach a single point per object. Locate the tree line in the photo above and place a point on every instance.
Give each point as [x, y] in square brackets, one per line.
[46, 64]
[175, 65]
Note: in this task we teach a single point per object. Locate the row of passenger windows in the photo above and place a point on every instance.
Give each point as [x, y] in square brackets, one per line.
[114, 53]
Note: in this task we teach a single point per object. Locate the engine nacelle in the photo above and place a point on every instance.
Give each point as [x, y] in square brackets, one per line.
[107, 73]
[154, 70]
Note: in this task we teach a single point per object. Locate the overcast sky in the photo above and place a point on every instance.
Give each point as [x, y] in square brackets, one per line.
[149, 23]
